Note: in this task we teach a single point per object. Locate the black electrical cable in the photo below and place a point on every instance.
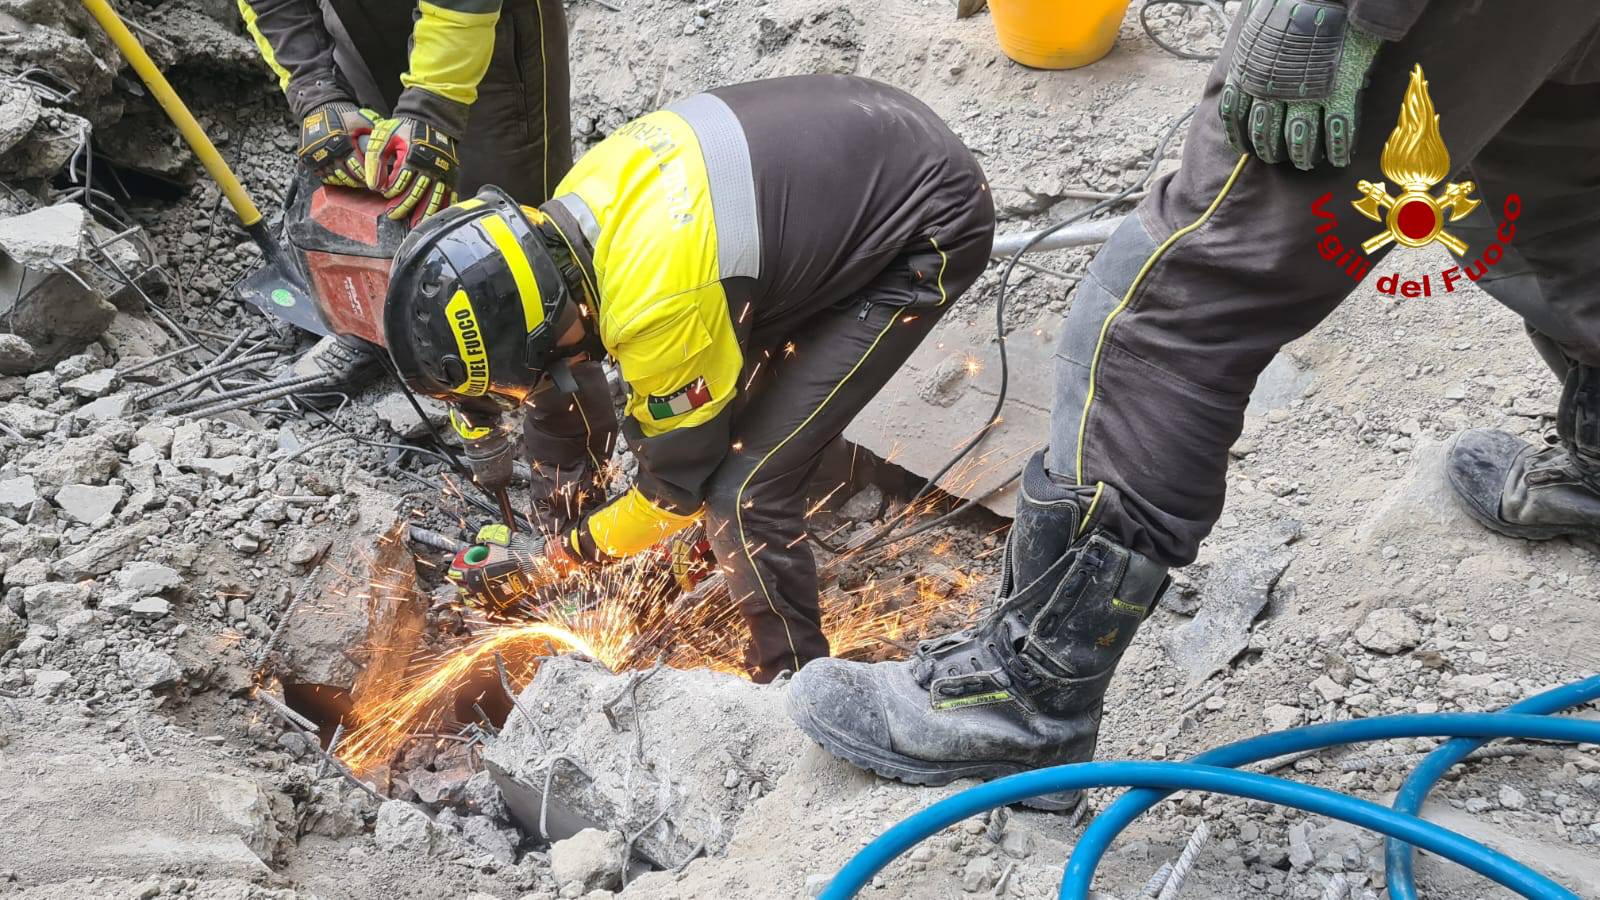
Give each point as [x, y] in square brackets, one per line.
[1212, 5]
[885, 535]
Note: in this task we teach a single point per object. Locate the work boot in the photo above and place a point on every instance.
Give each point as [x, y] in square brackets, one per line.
[1021, 689]
[1537, 492]
[349, 365]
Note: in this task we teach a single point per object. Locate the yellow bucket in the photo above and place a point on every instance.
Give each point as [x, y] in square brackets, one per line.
[1057, 34]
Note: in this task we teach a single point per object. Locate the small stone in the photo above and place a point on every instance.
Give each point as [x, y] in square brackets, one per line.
[149, 669]
[12, 628]
[981, 874]
[402, 826]
[86, 503]
[94, 384]
[1279, 716]
[1017, 843]
[499, 843]
[866, 505]
[1388, 630]
[147, 578]
[1331, 691]
[51, 682]
[1511, 798]
[591, 859]
[150, 608]
[1300, 854]
[1499, 633]
[1249, 832]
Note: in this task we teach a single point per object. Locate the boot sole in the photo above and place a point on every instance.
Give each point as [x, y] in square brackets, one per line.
[910, 770]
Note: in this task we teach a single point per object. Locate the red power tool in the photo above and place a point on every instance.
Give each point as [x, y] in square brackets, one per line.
[341, 245]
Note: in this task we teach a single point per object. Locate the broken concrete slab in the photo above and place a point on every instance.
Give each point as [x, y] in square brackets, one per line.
[104, 409]
[136, 821]
[1237, 587]
[27, 420]
[359, 620]
[109, 549]
[395, 411]
[86, 503]
[944, 394]
[47, 603]
[17, 496]
[147, 578]
[697, 726]
[402, 826]
[57, 312]
[94, 385]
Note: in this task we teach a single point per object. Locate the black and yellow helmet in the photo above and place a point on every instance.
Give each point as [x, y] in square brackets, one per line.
[475, 303]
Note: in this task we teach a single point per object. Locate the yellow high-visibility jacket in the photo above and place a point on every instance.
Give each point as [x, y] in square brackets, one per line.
[717, 226]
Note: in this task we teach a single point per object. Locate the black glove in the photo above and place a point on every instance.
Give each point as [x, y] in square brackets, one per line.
[330, 142]
[502, 571]
[414, 165]
[1294, 82]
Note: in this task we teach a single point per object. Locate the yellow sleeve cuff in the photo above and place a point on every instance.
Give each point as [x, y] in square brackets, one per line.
[450, 52]
[631, 523]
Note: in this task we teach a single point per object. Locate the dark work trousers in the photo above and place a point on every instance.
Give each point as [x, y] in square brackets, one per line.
[519, 133]
[802, 393]
[1219, 268]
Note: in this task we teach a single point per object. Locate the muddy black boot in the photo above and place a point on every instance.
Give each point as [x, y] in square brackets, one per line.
[1020, 690]
[1537, 492]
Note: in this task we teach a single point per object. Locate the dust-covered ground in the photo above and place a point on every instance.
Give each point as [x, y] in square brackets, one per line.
[152, 561]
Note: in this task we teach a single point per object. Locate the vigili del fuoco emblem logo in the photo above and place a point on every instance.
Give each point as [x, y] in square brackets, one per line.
[1415, 158]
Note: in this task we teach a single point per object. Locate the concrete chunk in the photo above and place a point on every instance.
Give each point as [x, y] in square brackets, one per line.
[87, 503]
[17, 496]
[591, 859]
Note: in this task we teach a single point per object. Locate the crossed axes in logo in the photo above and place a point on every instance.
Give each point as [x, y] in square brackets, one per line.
[1410, 229]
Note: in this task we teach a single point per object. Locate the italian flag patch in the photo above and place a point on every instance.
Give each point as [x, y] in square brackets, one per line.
[686, 399]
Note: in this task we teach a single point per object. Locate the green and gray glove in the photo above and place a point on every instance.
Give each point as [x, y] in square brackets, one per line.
[1294, 82]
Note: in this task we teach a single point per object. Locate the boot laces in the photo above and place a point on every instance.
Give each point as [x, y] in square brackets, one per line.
[1556, 462]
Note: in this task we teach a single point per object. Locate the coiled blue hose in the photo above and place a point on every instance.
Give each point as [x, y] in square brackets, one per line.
[1469, 726]
[860, 869]
[1173, 776]
[1397, 854]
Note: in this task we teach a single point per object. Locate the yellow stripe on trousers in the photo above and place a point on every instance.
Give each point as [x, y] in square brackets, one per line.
[738, 498]
[544, 105]
[1105, 327]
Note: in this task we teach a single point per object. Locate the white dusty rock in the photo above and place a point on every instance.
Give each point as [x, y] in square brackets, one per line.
[486, 835]
[12, 628]
[105, 409]
[1279, 716]
[25, 419]
[17, 496]
[47, 603]
[402, 826]
[150, 608]
[147, 578]
[149, 669]
[93, 385]
[51, 682]
[86, 503]
[1389, 630]
[591, 858]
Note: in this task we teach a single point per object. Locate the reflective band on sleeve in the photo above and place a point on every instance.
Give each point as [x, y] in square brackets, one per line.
[732, 180]
[580, 211]
[521, 273]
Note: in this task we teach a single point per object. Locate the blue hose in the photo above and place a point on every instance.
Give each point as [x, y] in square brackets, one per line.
[1397, 854]
[1469, 726]
[1188, 776]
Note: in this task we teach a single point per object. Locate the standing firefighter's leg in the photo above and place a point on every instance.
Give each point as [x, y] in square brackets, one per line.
[1180, 312]
[1548, 155]
[519, 135]
[837, 362]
